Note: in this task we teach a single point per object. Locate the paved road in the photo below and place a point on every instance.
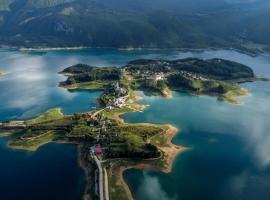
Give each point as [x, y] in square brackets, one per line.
[100, 179]
[106, 185]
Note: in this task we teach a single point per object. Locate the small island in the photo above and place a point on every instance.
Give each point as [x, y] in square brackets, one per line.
[107, 144]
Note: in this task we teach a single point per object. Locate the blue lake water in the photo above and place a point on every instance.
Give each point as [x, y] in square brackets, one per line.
[230, 155]
[50, 173]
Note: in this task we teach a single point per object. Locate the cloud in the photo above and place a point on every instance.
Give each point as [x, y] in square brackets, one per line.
[151, 189]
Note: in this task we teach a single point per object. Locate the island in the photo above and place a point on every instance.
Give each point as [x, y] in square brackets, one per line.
[107, 145]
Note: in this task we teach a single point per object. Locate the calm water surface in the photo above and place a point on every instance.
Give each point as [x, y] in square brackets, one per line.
[50, 173]
[230, 154]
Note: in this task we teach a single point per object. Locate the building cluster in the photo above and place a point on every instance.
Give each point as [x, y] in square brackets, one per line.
[121, 94]
[119, 102]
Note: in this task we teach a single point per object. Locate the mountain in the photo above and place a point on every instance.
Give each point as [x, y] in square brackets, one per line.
[134, 23]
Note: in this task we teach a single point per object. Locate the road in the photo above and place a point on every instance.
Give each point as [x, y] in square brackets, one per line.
[100, 179]
[106, 185]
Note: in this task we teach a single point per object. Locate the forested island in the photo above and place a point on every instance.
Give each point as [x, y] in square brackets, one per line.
[107, 144]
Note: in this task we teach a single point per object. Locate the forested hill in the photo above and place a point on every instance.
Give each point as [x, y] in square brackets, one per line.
[134, 23]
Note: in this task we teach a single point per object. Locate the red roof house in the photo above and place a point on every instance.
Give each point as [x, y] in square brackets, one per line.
[98, 150]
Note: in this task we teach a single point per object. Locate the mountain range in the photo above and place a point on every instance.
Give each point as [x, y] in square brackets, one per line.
[135, 23]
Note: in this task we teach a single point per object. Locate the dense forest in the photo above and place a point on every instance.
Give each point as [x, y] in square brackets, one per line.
[85, 73]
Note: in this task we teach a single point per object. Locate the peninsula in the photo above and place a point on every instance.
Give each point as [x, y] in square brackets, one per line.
[212, 77]
[107, 144]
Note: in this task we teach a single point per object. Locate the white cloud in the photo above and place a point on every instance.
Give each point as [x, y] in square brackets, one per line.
[151, 189]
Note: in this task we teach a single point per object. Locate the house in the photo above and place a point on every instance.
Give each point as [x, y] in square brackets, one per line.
[98, 150]
[120, 102]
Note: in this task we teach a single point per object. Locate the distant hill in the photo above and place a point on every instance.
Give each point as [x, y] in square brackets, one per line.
[133, 23]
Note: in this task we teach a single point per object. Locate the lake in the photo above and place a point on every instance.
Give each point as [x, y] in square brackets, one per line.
[230, 145]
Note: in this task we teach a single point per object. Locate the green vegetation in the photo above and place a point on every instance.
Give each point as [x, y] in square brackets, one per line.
[218, 69]
[132, 141]
[124, 24]
[34, 143]
[51, 115]
[214, 76]
[116, 190]
[154, 87]
[147, 144]
[159, 140]
[85, 74]
[231, 96]
[92, 85]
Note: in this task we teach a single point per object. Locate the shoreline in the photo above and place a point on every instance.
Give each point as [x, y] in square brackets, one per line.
[87, 168]
[169, 153]
[250, 52]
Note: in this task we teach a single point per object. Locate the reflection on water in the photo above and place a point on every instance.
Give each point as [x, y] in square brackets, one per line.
[230, 158]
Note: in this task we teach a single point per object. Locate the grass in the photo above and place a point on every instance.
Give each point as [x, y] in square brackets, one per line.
[33, 145]
[232, 95]
[53, 114]
[114, 113]
[93, 85]
[116, 190]
[141, 129]
[159, 140]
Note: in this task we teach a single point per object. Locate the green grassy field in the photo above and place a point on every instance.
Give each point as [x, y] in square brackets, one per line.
[33, 145]
[116, 190]
[93, 85]
[53, 114]
[232, 95]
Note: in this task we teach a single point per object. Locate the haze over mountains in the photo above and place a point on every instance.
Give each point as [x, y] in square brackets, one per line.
[135, 23]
